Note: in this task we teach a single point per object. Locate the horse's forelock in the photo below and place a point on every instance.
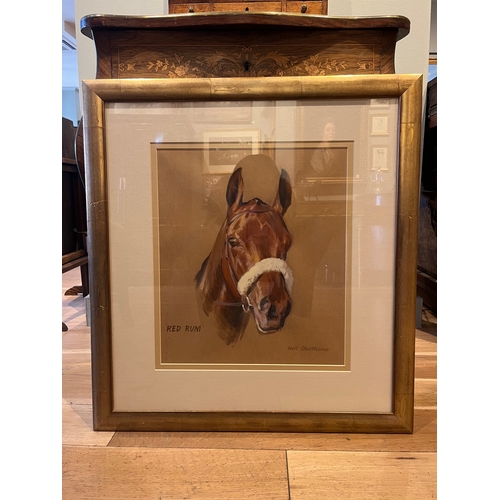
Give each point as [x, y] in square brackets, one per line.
[256, 205]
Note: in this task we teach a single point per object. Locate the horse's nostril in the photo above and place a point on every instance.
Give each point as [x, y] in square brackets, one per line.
[264, 304]
[272, 312]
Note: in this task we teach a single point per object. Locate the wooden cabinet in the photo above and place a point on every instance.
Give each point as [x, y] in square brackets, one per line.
[243, 44]
[308, 7]
[427, 231]
[74, 217]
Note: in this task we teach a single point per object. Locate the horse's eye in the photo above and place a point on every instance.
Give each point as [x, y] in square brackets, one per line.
[233, 242]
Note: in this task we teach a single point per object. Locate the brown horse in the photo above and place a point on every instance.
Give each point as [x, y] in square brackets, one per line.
[246, 272]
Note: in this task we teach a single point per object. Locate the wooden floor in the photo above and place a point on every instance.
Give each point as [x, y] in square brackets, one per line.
[224, 466]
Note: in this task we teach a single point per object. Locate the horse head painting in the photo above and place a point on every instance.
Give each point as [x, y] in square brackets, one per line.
[246, 273]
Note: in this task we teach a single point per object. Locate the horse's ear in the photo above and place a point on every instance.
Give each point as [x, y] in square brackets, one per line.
[234, 192]
[284, 195]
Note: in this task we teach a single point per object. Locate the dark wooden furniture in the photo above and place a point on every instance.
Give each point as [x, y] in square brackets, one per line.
[236, 44]
[74, 219]
[307, 7]
[427, 242]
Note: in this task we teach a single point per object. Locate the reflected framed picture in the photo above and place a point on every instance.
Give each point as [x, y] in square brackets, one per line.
[224, 148]
[380, 155]
[380, 125]
[380, 103]
[231, 288]
[328, 161]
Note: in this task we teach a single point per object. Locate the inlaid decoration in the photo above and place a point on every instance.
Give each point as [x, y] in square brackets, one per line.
[240, 61]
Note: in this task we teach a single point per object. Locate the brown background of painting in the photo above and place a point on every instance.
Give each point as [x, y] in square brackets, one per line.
[191, 210]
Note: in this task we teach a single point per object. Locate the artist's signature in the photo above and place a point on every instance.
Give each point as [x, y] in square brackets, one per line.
[308, 348]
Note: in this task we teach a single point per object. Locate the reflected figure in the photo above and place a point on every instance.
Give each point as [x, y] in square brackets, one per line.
[327, 161]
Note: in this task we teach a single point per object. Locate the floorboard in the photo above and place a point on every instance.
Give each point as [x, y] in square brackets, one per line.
[114, 473]
[426, 394]
[362, 476]
[76, 378]
[426, 366]
[77, 427]
[425, 343]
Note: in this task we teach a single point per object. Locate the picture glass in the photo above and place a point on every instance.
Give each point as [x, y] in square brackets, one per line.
[268, 245]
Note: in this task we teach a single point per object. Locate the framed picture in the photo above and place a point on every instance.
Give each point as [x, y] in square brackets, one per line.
[225, 148]
[228, 300]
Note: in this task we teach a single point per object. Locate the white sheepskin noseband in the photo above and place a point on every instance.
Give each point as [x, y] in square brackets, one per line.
[265, 266]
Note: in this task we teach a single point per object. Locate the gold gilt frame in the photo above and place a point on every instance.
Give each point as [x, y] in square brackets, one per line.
[98, 93]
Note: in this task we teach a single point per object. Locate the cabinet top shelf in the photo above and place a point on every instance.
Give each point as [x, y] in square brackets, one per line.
[98, 21]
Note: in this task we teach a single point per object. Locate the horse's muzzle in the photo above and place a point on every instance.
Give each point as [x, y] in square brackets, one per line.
[270, 302]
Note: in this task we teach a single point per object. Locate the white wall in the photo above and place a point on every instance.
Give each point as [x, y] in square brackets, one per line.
[412, 52]
[85, 46]
[71, 104]
[433, 34]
